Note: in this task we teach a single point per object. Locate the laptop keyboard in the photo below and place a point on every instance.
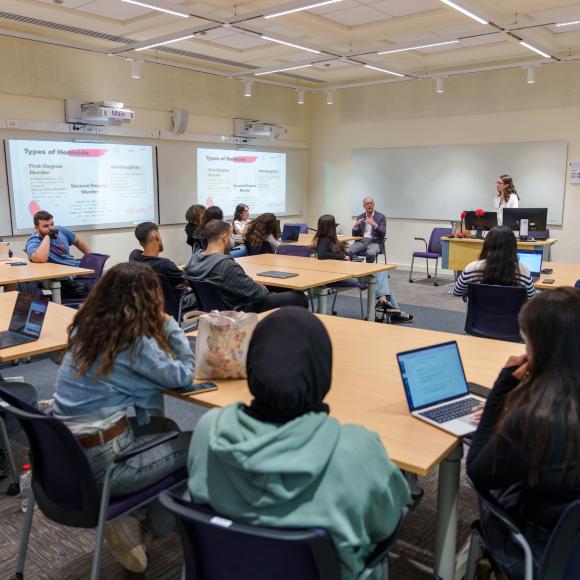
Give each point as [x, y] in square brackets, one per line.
[452, 410]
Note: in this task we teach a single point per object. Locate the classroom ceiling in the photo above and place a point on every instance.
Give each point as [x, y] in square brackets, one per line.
[244, 38]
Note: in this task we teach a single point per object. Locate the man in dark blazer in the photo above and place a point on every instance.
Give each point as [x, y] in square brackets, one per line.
[372, 227]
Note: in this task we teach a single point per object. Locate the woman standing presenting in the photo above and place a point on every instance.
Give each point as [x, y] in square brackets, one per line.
[507, 196]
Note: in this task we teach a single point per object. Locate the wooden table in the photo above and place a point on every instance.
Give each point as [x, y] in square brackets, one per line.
[563, 275]
[53, 337]
[335, 270]
[34, 272]
[4, 280]
[371, 394]
[458, 252]
[307, 239]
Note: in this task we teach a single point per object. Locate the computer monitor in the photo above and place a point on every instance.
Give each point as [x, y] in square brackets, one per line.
[483, 222]
[537, 217]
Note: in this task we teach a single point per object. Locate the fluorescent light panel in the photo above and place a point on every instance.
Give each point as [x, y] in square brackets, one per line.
[153, 7]
[418, 47]
[389, 72]
[534, 49]
[568, 23]
[289, 44]
[301, 8]
[271, 72]
[165, 42]
[465, 11]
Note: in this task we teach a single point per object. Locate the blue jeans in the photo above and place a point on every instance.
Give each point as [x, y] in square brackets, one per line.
[239, 251]
[383, 288]
[144, 469]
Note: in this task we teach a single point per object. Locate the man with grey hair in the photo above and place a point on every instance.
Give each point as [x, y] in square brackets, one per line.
[372, 227]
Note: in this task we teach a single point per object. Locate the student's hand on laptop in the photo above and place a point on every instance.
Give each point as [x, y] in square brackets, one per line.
[478, 412]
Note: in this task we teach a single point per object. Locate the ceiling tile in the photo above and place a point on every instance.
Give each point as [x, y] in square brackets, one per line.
[399, 8]
[345, 4]
[115, 9]
[356, 16]
[216, 33]
[67, 3]
[241, 41]
[415, 37]
[284, 31]
[464, 30]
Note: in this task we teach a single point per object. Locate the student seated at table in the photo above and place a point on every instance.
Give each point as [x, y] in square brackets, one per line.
[193, 218]
[263, 235]
[50, 243]
[283, 461]
[498, 264]
[329, 248]
[26, 393]
[234, 287]
[149, 236]
[123, 353]
[526, 449]
[241, 219]
[215, 213]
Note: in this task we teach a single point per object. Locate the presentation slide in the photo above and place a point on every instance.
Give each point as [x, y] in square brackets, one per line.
[91, 185]
[226, 177]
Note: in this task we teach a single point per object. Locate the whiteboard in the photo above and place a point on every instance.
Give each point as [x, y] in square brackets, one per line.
[440, 182]
[177, 171]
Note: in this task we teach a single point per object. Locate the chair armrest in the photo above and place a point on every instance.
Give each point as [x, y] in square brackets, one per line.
[422, 240]
[137, 450]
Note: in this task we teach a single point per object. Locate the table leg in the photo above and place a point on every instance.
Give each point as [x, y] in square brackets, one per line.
[447, 499]
[371, 282]
[54, 286]
[322, 293]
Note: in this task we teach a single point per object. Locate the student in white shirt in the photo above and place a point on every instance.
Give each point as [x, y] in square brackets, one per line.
[507, 196]
[241, 219]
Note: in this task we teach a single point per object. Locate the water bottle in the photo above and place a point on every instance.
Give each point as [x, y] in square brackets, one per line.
[25, 487]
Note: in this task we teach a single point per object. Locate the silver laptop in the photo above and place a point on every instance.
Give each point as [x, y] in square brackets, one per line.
[436, 389]
[26, 322]
[532, 259]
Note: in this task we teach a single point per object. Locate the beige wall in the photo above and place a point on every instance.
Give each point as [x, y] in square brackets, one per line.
[480, 108]
[36, 78]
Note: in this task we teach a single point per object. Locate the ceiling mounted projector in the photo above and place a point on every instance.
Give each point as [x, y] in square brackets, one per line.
[103, 113]
[258, 129]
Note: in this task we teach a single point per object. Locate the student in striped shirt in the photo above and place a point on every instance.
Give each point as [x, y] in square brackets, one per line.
[497, 264]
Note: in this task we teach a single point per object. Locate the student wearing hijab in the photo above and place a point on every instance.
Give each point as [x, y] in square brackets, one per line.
[283, 462]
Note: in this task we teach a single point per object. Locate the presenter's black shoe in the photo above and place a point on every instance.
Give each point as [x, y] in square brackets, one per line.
[401, 317]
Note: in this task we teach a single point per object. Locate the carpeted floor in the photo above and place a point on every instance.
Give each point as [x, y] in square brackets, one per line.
[64, 553]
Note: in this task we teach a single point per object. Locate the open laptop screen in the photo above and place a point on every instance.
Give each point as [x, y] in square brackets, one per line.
[432, 375]
[290, 233]
[28, 315]
[532, 259]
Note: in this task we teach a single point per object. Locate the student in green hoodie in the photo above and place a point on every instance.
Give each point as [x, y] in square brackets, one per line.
[283, 461]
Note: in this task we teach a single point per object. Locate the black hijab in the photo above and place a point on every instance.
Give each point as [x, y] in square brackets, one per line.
[289, 366]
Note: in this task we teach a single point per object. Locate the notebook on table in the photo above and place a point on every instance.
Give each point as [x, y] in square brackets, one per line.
[278, 274]
[532, 259]
[26, 321]
[436, 389]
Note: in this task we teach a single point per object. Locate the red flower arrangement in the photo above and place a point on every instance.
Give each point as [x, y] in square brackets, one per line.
[479, 212]
[463, 215]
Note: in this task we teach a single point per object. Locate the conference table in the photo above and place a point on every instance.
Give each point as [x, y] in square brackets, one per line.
[307, 239]
[53, 337]
[458, 252]
[35, 272]
[314, 273]
[367, 390]
[563, 275]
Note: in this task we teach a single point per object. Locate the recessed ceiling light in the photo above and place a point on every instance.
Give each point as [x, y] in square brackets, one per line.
[164, 42]
[271, 72]
[301, 8]
[465, 11]
[289, 44]
[158, 8]
[389, 72]
[534, 49]
[418, 47]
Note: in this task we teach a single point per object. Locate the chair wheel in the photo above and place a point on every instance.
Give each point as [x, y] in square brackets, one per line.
[428, 275]
[18, 576]
[334, 312]
[435, 283]
[13, 489]
[411, 281]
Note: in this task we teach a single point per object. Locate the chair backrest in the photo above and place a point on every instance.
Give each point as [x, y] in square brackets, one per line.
[217, 548]
[265, 248]
[207, 296]
[492, 311]
[94, 262]
[170, 302]
[294, 250]
[303, 227]
[562, 555]
[63, 483]
[435, 239]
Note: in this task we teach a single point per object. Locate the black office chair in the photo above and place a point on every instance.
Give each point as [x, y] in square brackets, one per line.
[492, 311]
[258, 552]
[171, 305]
[561, 558]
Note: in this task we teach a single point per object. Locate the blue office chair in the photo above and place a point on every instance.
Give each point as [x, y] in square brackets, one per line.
[294, 250]
[91, 261]
[64, 485]
[432, 251]
[257, 553]
[492, 311]
[561, 558]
